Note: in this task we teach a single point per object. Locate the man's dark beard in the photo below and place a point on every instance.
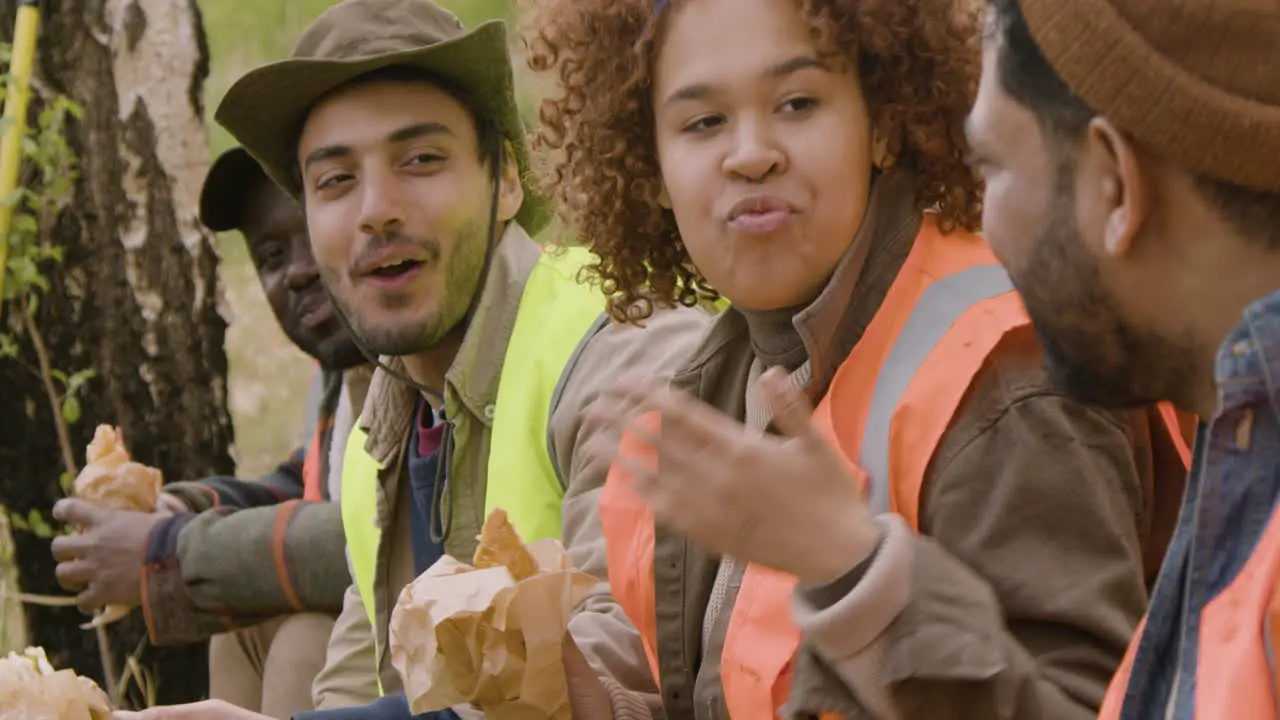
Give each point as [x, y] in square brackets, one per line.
[460, 276]
[1093, 354]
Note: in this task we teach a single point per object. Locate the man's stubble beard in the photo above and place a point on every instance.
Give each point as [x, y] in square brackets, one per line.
[460, 279]
[1093, 353]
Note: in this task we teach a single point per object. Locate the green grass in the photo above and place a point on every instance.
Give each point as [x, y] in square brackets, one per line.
[268, 376]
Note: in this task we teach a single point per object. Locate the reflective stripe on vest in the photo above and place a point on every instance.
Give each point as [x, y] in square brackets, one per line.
[938, 308]
[555, 312]
[888, 405]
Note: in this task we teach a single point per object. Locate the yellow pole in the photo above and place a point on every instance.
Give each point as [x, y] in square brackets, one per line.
[15, 109]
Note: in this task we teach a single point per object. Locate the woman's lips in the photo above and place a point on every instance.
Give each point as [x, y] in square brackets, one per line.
[760, 214]
[760, 223]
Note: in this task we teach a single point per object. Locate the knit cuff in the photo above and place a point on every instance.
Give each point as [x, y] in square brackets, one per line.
[626, 705]
[170, 616]
[843, 628]
[198, 496]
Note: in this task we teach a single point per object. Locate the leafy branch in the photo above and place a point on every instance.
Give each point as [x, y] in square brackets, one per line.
[45, 188]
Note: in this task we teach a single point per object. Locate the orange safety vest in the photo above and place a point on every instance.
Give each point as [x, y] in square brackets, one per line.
[1236, 672]
[888, 406]
[313, 462]
[312, 483]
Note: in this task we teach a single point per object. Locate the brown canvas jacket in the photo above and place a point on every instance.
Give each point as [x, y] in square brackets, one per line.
[1018, 598]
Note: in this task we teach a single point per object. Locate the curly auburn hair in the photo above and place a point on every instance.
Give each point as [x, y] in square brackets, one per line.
[918, 62]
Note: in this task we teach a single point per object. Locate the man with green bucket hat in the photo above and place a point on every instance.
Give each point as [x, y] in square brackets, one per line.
[398, 129]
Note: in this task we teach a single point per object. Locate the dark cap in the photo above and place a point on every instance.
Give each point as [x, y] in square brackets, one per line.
[265, 109]
[225, 195]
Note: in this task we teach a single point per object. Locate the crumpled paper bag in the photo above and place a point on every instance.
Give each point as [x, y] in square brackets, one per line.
[464, 636]
[30, 689]
[111, 479]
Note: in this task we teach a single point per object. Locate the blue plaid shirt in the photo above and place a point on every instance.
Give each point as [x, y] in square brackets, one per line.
[1233, 488]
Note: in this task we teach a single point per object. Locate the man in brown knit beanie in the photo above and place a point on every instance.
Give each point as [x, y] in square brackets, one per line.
[1131, 151]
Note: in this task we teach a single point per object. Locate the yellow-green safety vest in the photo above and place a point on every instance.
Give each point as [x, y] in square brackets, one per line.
[556, 313]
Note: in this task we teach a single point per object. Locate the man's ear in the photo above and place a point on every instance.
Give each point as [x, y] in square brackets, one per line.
[510, 190]
[1125, 186]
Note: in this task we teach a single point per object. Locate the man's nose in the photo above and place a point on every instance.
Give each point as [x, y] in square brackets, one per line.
[302, 270]
[382, 209]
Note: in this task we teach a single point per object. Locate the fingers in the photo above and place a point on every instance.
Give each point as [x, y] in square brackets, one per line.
[74, 575]
[78, 576]
[69, 547]
[792, 411]
[90, 600]
[76, 512]
[644, 479]
[170, 504]
[688, 424]
[633, 410]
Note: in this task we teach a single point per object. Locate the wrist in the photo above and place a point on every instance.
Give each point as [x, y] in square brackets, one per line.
[851, 548]
[171, 504]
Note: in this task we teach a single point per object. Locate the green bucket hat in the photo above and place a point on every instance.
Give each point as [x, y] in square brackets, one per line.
[266, 108]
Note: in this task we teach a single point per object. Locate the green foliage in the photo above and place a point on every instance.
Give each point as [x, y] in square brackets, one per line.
[46, 186]
[71, 387]
[33, 522]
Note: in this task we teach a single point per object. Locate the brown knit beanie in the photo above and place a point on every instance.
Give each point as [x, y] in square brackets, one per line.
[1197, 81]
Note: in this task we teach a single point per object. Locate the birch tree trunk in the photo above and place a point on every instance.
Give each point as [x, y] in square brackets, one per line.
[136, 297]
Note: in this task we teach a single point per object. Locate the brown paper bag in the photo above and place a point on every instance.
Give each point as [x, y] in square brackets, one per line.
[30, 689]
[464, 636]
[112, 480]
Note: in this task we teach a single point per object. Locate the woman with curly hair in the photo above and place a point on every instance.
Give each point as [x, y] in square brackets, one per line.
[975, 547]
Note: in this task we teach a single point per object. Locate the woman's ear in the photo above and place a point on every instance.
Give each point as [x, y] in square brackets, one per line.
[663, 198]
[882, 156]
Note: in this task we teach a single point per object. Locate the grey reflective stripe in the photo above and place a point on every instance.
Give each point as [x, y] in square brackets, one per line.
[941, 304]
[599, 324]
[315, 396]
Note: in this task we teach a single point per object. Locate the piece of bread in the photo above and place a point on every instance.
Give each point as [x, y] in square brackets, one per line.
[500, 546]
[111, 479]
[107, 450]
[32, 690]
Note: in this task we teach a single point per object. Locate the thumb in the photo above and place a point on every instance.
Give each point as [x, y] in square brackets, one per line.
[76, 512]
[792, 411]
[575, 663]
[588, 699]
